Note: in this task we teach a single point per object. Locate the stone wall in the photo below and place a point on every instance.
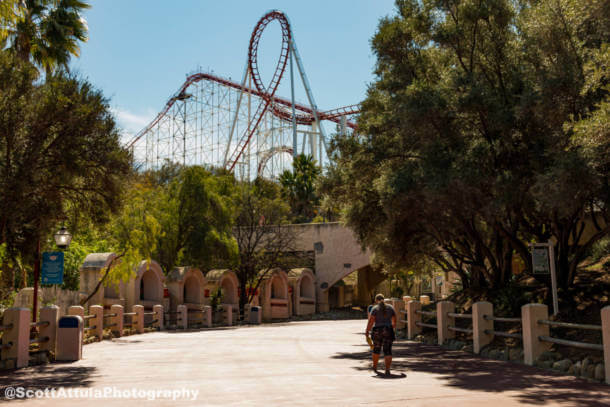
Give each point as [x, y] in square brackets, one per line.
[52, 295]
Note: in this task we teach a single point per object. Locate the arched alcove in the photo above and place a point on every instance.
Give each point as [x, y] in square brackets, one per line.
[278, 288]
[229, 291]
[302, 281]
[192, 291]
[228, 283]
[274, 295]
[308, 290]
[147, 286]
[186, 286]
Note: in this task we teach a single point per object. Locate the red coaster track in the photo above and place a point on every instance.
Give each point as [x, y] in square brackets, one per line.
[280, 107]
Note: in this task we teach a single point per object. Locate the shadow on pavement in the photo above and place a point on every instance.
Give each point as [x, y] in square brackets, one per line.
[470, 372]
[47, 376]
[390, 376]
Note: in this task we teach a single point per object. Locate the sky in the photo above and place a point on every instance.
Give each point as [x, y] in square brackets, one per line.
[139, 52]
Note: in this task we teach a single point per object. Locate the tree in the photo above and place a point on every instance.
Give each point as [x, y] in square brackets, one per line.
[263, 240]
[133, 233]
[175, 215]
[196, 217]
[298, 187]
[7, 13]
[471, 142]
[60, 157]
[45, 32]
[191, 208]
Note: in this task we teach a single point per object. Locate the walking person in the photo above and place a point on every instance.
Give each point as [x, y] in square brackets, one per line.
[381, 325]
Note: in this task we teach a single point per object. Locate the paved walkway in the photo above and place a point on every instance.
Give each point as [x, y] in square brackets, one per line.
[299, 363]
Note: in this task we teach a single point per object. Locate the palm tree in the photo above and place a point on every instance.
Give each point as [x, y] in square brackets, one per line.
[44, 32]
[8, 10]
[298, 187]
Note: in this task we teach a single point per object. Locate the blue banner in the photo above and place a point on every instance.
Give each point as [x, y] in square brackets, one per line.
[52, 268]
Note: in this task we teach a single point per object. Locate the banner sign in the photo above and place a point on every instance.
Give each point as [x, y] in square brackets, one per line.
[52, 271]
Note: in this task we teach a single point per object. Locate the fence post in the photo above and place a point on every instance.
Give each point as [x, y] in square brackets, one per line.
[444, 321]
[77, 310]
[182, 320]
[207, 312]
[50, 314]
[118, 319]
[413, 318]
[398, 305]
[532, 346]
[17, 338]
[80, 311]
[97, 321]
[424, 299]
[138, 319]
[158, 310]
[481, 339]
[606, 339]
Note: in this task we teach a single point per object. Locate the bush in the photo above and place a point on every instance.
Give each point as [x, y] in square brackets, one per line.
[216, 299]
[397, 292]
[600, 249]
[508, 300]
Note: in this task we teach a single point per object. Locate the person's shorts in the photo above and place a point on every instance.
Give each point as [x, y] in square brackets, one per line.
[383, 336]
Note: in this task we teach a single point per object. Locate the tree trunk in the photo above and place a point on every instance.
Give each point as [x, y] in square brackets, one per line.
[243, 294]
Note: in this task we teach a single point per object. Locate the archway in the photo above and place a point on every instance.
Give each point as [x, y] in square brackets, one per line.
[186, 286]
[274, 295]
[147, 287]
[302, 281]
[192, 291]
[227, 281]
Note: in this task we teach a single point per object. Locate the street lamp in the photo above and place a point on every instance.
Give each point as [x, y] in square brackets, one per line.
[63, 238]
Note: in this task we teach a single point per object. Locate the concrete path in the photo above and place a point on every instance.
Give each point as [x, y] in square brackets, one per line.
[299, 363]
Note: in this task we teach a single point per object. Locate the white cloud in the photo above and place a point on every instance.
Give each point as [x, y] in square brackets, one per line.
[130, 122]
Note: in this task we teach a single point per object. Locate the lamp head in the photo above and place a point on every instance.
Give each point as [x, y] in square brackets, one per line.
[63, 238]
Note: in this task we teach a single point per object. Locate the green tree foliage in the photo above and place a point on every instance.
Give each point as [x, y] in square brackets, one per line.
[198, 220]
[486, 129]
[44, 32]
[179, 216]
[261, 240]
[132, 234]
[60, 156]
[8, 9]
[298, 187]
[176, 216]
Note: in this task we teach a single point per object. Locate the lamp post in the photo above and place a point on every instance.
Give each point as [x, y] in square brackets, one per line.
[62, 240]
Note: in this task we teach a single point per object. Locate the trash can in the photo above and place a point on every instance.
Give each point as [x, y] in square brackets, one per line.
[70, 338]
[256, 315]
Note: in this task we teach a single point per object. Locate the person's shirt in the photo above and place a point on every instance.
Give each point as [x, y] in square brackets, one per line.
[383, 318]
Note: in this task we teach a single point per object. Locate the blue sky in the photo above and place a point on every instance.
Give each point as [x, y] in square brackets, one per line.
[140, 51]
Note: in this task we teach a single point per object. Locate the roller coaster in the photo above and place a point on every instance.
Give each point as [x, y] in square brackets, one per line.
[242, 127]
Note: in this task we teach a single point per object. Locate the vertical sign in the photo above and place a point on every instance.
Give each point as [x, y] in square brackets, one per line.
[52, 268]
[543, 262]
[540, 260]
